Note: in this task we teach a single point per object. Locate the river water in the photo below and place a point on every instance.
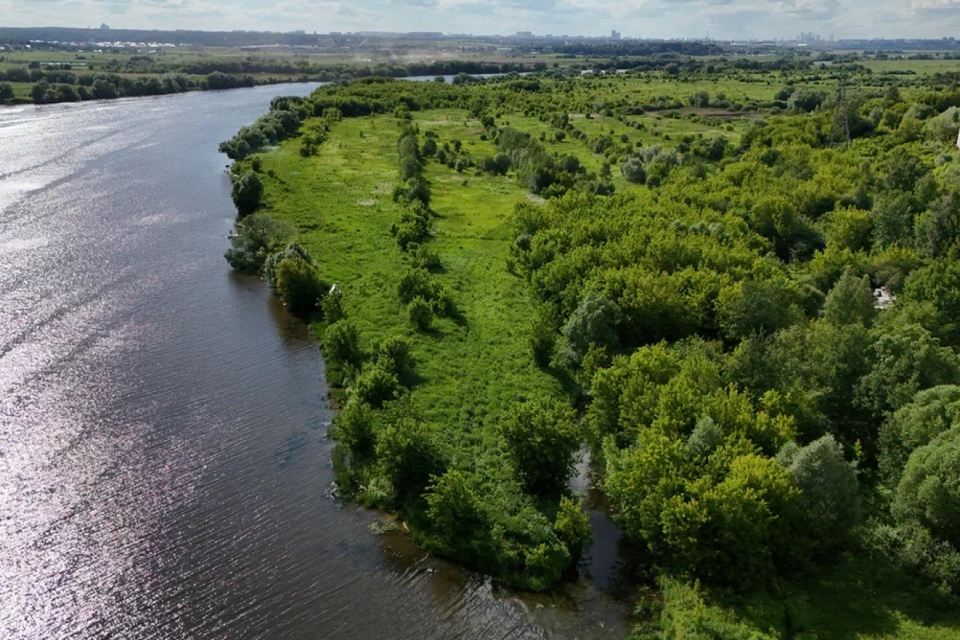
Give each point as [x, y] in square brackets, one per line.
[164, 464]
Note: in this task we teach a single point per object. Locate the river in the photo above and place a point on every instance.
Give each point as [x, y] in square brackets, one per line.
[164, 462]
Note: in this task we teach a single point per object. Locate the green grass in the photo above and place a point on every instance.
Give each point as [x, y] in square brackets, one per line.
[920, 67]
[856, 599]
[340, 202]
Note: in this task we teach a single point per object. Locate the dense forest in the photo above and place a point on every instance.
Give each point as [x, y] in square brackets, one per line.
[738, 288]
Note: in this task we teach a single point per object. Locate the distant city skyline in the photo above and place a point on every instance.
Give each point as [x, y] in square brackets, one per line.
[717, 19]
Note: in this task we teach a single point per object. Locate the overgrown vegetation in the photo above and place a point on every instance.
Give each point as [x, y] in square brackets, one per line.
[705, 317]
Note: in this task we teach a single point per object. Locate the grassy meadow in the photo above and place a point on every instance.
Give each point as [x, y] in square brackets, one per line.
[340, 202]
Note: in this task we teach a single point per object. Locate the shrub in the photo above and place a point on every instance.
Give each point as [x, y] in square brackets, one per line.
[633, 171]
[375, 386]
[421, 313]
[256, 236]
[353, 428]
[332, 306]
[341, 343]
[543, 339]
[292, 250]
[573, 526]
[407, 455]
[457, 517]
[298, 284]
[541, 438]
[393, 355]
[413, 283]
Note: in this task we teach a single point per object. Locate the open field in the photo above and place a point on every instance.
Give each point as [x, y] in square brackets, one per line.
[340, 202]
[919, 67]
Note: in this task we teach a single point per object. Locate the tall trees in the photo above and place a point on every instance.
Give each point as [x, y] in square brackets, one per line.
[247, 193]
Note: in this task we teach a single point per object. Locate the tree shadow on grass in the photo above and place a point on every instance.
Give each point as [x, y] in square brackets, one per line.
[858, 596]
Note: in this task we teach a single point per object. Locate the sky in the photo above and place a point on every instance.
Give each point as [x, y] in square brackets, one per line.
[720, 19]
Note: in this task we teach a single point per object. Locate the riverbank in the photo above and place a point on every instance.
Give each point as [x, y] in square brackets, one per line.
[698, 447]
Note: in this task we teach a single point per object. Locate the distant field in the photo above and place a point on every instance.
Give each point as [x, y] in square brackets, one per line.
[920, 67]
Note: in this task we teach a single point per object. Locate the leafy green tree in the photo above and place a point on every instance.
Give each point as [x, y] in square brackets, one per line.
[893, 218]
[916, 424]
[332, 306]
[851, 301]
[849, 228]
[633, 171]
[298, 284]
[247, 193]
[573, 526]
[829, 498]
[270, 265]
[806, 100]
[6, 91]
[255, 238]
[408, 455]
[542, 439]
[908, 359]
[929, 491]
[457, 517]
[938, 228]
[751, 307]
[938, 284]
[353, 428]
[704, 439]
[593, 322]
[341, 343]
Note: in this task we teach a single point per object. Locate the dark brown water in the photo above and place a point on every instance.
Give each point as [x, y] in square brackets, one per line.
[164, 465]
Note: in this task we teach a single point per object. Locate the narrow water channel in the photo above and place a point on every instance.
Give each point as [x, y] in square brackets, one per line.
[164, 462]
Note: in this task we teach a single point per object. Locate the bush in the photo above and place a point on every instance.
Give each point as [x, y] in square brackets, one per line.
[573, 526]
[393, 355]
[633, 171]
[543, 339]
[341, 343]
[375, 386]
[457, 517]
[421, 313]
[332, 306]
[298, 284]
[408, 455]
[413, 283]
[353, 428]
[247, 193]
[541, 438]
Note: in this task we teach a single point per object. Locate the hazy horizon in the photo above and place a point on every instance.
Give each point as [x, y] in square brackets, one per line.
[720, 19]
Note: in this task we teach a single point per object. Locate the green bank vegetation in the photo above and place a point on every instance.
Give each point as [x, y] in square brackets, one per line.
[526, 264]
